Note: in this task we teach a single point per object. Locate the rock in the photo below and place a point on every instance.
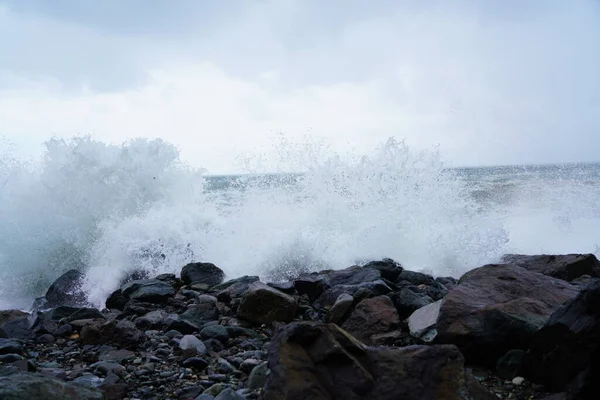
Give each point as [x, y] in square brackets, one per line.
[567, 267]
[66, 290]
[341, 308]
[371, 317]
[416, 278]
[202, 273]
[148, 290]
[518, 380]
[448, 282]
[227, 291]
[88, 380]
[509, 365]
[353, 276]
[410, 299]
[121, 333]
[496, 308]
[229, 394]
[422, 323]
[117, 355]
[204, 311]
[262, 304]
[388, 268]
[312, 285]
[258, 377]
[8, 346]
[195, 363]
[116, 301]
[10, 315]
[10, 358]
[359, 292]
[285, 287]
[28, 386]
[115, 391]
[205, 396]
[152, 320]
[191, 342]
[565, 353]
[215, 332]
[17, 328]
[63, 330]
[321, 361]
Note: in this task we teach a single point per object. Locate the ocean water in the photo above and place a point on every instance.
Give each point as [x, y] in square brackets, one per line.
[113, 209]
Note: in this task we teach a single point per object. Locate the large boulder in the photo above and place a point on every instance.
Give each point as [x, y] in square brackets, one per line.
[262, 304]
[388, 268]
[66, 290]
[371, 317]
[567, 267]
[352, 276]
[23, 386]
[206, 273]
[323, 362]
[358, 291]
[233, 289]
[123, 334]
[496, 308]
[148, 290]
[565, 353]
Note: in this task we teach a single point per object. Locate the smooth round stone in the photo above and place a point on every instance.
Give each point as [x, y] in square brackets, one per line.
[195, 363]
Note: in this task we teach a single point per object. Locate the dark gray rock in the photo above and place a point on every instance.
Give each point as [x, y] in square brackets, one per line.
[116, 301]
[122, 333]
[353, 276]
[191, 342]
[8, 346]
[202, 273]
[235, 288]
[28, 386]
[258, 376]
[567, 267]
[416, 278]
[341, 308]
[311, 285]
[229, 394]
[217, 332]
[195, 363]
[371, 317]
[565, 353]
[66, 290]
[359, 292]
[17, 328]
[409, 300]
[262, 304]
[509, 365]
[388, 268]
[149, 290]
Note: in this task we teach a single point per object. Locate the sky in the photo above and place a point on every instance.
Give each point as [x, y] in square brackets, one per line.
[486, 82]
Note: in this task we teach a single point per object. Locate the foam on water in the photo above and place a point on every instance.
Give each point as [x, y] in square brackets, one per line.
[113, 209]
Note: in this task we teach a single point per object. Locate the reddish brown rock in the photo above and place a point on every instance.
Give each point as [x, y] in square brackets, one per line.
[323, 362]
[371, 317]
[496, 308]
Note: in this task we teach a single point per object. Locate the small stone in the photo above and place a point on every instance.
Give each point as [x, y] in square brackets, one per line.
[195, 363]
[229, 394]
[10, 358]
[225, 367]
[215, 332]
[9, 346]
[192, 342]
[90, 381]
[172, 334]
[214, 390]
[258, 377]
[518, 380]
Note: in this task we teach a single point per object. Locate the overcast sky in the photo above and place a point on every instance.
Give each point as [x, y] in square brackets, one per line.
[490, 82]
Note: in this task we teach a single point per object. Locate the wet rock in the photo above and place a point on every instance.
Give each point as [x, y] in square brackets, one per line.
[311, 285]
[565, 353]
[262, 304]
[496, 308]
[66, 290]
[227, 291]
[388, 268]
[509, 365]
[285, 287]
[321, 361]
[229, 394]
[116, 301]
[217, 332]
[10, 358]
[10, 315]
[121, 333]
[416, 278]
[195, 363]
[204, 311]
[17, 328]
[422, 323]
[202, 273]
[341, 308]
[258, 377]
[8, 346]
[410, 299]
[33, 386]
[371, 317]
[148, 290]
[114, 391]
[117, 355]
[152, 320]
[448, 282]
[567, 267]
[359, 292]
[88, 380]
[353, 276]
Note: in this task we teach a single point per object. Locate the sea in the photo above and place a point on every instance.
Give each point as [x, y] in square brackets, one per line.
[110, 210]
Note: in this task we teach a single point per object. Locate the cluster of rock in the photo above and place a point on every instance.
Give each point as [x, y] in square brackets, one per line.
[526, 328]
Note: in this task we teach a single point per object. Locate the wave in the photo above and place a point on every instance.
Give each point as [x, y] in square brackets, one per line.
[110, 210]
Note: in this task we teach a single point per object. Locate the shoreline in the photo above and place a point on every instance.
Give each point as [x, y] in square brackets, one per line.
[197, 336]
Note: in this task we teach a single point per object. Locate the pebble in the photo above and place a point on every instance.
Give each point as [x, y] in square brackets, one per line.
[518, 380]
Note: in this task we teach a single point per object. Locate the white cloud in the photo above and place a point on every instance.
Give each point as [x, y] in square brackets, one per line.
[488, 86]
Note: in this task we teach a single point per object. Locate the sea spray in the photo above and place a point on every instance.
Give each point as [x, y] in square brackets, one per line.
[111, 210]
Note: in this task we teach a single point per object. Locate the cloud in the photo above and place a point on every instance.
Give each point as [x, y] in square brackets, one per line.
[490, 82]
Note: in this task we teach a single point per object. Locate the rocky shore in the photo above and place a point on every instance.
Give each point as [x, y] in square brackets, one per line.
[528, 328]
